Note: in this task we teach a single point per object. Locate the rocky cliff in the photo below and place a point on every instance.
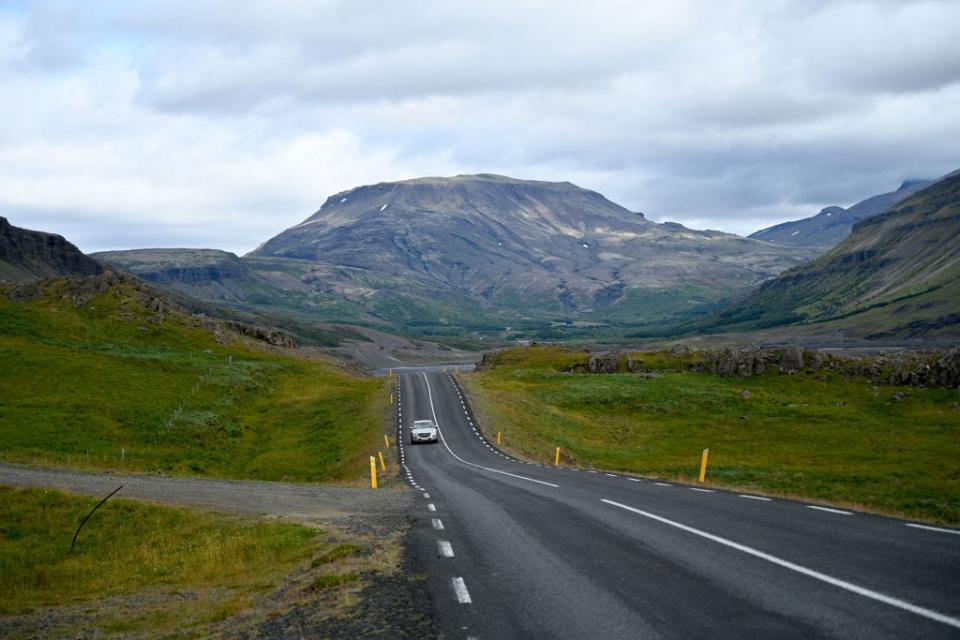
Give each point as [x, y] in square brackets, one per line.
[27, 255]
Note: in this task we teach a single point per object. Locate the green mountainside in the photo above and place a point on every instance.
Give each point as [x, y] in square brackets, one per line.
[903, 265]
[833, 224]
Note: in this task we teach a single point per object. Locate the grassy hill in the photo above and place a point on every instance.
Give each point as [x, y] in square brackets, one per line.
[101, 373]
[812, 434]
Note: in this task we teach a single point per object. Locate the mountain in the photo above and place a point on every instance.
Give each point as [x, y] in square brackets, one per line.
[34, 255]
[833, 224]
[480, 252]
[903, 263]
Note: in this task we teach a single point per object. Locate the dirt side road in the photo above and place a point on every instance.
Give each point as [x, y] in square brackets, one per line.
[390, 601]
[352, 510]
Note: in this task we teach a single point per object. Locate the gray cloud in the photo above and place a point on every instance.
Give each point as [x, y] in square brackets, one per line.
[158, 123]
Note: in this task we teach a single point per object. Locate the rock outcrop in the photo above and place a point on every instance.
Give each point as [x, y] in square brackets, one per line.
[917, 369]
[28, 256]
[909, 369]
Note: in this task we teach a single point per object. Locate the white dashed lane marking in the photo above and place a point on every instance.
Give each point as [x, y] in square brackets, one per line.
[662, 484]
[431, 507]
[437, 523]
[460, 591]
[426, 495]
[701, 490]
[445, 548]
[749, 497]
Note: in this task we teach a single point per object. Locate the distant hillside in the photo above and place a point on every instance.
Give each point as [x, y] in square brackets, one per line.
[445, 256]
[33, 255]
[833, 224]
[905, 261]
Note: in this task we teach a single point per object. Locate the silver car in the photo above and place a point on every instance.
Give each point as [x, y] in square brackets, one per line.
[423, 431]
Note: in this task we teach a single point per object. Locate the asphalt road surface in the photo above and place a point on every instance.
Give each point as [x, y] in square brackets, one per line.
[529, 551]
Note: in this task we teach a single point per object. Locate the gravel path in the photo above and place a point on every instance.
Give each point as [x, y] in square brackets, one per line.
[353, 510]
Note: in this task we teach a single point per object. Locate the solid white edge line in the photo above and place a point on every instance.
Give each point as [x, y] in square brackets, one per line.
[460, 590]
[828, 510]
[746, 495]
[444, 441]
[929, 528]
[436, 523]
[786, 564]
[445, 548]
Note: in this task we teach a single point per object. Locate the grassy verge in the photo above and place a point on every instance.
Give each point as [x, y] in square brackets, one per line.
[110, 383]
[818, 435]
[139, 567]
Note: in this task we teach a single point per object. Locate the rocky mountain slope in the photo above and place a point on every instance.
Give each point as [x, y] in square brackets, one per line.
[27, 255]
[833, 224]
[903, 264]
[478, 252]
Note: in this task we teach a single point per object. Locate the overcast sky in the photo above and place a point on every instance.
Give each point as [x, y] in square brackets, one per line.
[220, 123]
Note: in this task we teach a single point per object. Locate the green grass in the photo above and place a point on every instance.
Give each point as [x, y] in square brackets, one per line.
[812, 434]
[134, 549]
[106, 385]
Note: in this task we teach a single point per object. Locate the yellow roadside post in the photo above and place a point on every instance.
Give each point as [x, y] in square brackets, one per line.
[386, 441]
[373, 472]
[703, 464]
[391, 399]
[498, 437]
[556, 458]
[383, 465]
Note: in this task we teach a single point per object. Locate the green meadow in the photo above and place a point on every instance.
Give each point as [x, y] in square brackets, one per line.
[139, 567]
[814, 435]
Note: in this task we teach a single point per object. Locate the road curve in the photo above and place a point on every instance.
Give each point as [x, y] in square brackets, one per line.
[530, 551]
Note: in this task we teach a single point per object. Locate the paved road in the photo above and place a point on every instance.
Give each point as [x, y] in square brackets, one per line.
[525, 551]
